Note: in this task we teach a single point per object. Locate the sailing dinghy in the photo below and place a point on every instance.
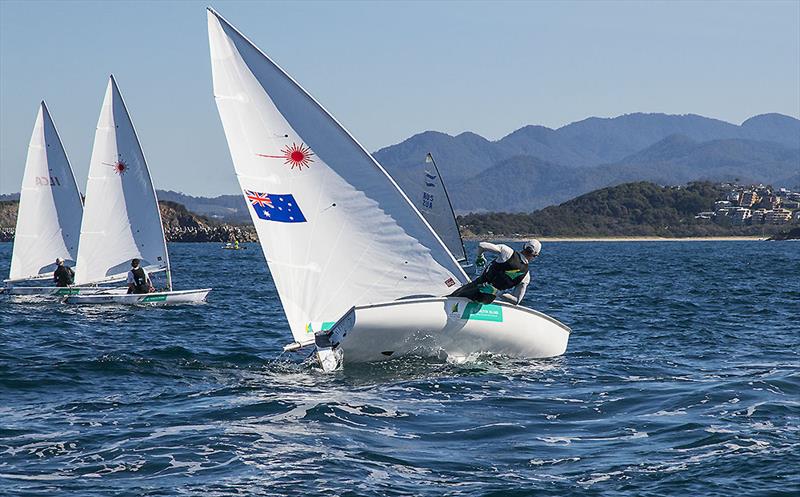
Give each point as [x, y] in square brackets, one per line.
[122, 220]
[49, 217]
[358, 269]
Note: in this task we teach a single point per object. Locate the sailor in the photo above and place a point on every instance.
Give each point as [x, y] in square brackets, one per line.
[138, 279]
[507, 276]
[63, 275]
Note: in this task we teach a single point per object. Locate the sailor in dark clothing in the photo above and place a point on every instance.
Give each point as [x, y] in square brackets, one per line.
[63, 276]
[509, 271]
[138, 279]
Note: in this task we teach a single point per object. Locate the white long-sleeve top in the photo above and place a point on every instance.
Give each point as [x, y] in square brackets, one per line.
[504, 253]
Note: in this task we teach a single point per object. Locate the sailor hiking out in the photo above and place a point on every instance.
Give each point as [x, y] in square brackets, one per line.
[63, 275]
[138, 279]
[507, 276]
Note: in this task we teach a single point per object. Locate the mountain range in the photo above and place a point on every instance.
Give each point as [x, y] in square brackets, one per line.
[537, 166]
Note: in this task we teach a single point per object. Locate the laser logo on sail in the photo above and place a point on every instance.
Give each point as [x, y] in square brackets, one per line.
[298, 156]
[119, 167]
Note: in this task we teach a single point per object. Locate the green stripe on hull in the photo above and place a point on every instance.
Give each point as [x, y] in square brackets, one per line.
[154, 298]
[483, 312]
[67, 291]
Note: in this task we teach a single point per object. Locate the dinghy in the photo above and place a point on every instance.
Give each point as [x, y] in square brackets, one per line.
[49, 216]
[358, 269]
[122, 220]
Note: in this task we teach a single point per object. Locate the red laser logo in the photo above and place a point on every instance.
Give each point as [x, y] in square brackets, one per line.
[296, 155]
[119, 167]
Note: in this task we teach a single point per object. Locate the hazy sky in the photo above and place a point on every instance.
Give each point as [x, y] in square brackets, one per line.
[387, 70]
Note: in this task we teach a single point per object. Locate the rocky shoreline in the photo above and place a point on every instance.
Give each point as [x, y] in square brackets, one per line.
[792, 234]
[180, 225]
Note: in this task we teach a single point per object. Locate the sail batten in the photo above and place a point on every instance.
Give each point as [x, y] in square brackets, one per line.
[122, 220]
[336, 229]
[50, 205]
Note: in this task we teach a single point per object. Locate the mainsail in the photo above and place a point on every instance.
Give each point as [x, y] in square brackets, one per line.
[424, 185]
[50, 207]
[121, 220]
[336, 230]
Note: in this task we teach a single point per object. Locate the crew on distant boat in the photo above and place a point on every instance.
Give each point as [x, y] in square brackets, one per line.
[509, 271]
[138, 279]
[63, 275]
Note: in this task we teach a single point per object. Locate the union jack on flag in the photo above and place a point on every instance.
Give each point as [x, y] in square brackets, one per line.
[259, 199]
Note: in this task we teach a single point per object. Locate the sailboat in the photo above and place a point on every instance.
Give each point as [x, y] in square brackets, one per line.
[122, 220]
[359, 271]
[424, 185]
[49, 216]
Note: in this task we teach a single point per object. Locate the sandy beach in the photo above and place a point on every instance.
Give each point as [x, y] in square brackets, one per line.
[627, 239]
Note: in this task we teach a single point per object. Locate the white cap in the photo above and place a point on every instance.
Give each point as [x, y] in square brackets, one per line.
[59, 260]
[532, 245]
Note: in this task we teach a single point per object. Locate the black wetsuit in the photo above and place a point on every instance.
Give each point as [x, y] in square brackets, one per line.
[498, 277]
[64, 276]
[140, 284]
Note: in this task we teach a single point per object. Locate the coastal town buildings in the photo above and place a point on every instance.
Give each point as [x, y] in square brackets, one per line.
[748, 198]
[778, 216]
[754, 205]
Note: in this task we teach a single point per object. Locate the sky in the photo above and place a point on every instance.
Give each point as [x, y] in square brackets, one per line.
[387, 70]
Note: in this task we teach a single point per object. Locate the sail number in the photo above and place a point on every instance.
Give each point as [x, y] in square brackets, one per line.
[47, 181]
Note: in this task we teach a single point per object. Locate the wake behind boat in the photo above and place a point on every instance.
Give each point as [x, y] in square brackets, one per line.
[358, 269]
[122, 220]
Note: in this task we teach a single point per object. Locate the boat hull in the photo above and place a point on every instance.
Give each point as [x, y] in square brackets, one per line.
[52, 291]
[453, 326]
[156, 298]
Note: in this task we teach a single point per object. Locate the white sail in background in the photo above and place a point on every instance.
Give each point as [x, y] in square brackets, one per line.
[336, 230]
[50, 207]
[121, 219]
[423, 184]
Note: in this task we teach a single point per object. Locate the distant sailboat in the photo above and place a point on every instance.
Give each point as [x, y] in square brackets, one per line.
[425, 187]
[122, 220]
[358, 270]
[49, 216]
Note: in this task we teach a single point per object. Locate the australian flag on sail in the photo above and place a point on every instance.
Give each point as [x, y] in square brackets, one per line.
[281, 207]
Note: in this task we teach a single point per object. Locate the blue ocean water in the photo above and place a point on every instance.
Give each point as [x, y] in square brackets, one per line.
[681, 378]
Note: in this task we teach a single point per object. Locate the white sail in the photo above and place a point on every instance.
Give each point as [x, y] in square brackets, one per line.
[424, 185]
[335, 228]
[50, 207]
[121, 219]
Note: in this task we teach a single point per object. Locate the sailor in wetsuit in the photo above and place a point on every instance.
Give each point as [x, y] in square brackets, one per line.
[509, 271]
[63, 276]
[138, 279]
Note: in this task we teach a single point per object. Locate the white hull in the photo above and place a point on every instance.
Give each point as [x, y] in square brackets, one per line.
[156, 298]
[53, 291]
[454, 326]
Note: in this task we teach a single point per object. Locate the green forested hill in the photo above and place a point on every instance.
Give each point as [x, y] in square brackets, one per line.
[632, 209]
